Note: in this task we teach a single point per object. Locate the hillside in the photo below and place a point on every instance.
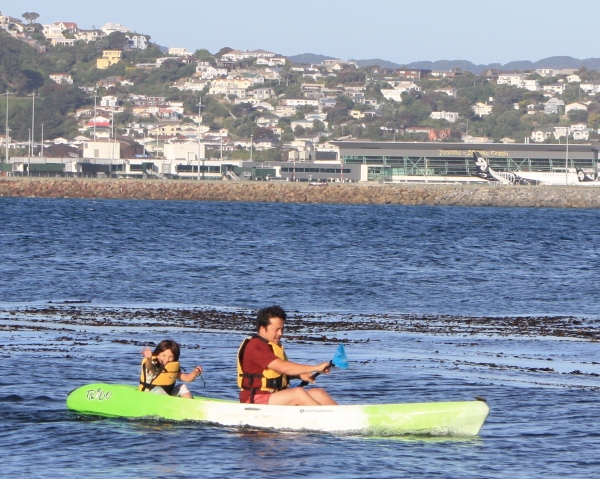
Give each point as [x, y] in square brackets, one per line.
[145, 91]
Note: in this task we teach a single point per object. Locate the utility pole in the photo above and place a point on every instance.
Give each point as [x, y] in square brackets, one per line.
[95, 96]
[199, 129]
[567, 160]
[7, 129]
[32, 121]
[29, 154]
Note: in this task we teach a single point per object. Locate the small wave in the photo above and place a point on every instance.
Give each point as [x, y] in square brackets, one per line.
[47, 399]
[12, 398]
[71, 301]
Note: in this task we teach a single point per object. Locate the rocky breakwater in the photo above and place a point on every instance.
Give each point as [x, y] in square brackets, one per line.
[259, 191]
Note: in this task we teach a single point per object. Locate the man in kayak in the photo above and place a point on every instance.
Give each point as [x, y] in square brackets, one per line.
[264, 370]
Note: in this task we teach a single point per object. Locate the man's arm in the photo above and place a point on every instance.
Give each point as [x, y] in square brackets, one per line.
[296, 369]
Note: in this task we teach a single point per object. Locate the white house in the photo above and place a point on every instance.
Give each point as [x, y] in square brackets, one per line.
[263, 105]
[560, 131]
[263, 93]
[513, 79]
[61, 78]
[590, 87]
[558, 88]
[538, 135]
[482, 109]
[285, 110]
[110, 27]
[237, 55]
[267, 121]
[546, 72]
[89, 35]
[301, 123]
[576, 106]
[137, 41]
[55, 30]
[296, 102]
[273, 61]
[450, 116]
[582, 134]
[448, 91]
[208, 72]
[391, 94]
[178, 52]
[102, 149]
[531, 85]
[406, 86]
[184, 150]
[109, 101]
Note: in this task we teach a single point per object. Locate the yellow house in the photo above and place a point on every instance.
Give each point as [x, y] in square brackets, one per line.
[170, 129]
[357, 114]
[109, 57]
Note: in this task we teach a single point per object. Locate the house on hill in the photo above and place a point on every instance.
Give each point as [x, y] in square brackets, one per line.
[449, 116]
[540, 134]
[554, 106]
[110, 27]
[61, 78]
[411, 74]
[557, 88]
[238, 55]
[482, 109]
[577, 106]
[109, 57]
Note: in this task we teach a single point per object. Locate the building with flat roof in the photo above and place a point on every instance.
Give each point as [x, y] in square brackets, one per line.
[444, 162]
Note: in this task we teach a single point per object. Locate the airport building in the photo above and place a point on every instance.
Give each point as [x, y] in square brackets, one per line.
[454, 162]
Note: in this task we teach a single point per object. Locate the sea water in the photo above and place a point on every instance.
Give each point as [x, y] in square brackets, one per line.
[445, 301]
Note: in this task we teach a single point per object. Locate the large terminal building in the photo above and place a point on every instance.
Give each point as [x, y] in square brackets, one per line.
[455, 162]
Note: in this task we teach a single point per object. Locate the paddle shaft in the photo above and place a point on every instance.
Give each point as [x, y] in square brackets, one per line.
[314, 376]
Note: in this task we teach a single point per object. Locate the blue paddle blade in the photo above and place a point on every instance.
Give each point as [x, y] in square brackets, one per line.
[340, 360]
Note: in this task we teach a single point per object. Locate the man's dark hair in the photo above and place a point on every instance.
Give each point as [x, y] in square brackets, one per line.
[263, 318]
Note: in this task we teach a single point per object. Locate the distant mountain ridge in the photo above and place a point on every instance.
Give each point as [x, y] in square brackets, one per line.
[557, 62]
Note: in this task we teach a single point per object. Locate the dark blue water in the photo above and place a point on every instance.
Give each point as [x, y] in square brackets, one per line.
[542, 390]
[479, 261]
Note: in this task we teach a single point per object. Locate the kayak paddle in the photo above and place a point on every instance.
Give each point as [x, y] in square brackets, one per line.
[340, 360]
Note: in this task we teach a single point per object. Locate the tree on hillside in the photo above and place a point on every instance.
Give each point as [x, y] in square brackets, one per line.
[578, 116]
[31, 17]
[30, 80]
[223, 51]
[594, 120]
[340, 111]
[203, 55]
[115, 41]
[572, 93]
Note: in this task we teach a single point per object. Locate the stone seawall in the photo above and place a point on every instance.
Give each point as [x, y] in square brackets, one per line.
[258, 191]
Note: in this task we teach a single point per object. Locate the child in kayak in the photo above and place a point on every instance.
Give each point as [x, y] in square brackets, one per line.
[160, 371]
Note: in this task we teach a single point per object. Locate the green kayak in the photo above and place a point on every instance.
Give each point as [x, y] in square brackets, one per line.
[464, 418]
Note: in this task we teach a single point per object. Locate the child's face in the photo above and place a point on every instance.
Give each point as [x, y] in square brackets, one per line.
[165, 357]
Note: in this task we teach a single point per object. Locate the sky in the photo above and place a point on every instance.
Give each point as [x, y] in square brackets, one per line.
[400, 31]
